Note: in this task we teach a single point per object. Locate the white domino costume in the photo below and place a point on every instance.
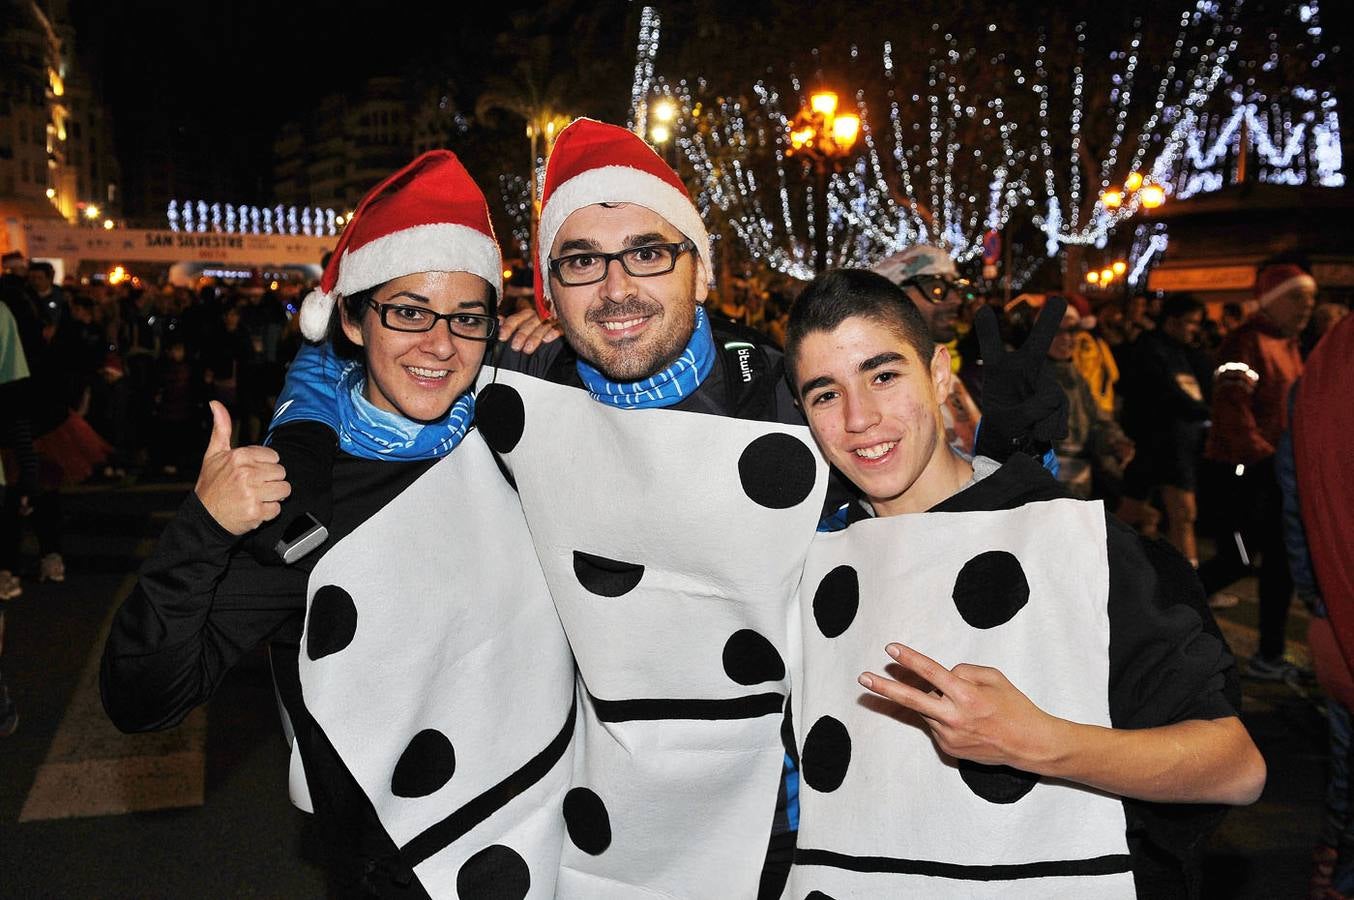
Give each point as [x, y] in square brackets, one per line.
[1084, 625]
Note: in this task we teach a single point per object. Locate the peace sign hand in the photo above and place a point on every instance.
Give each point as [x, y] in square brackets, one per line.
[1024, 408]
[973, 712]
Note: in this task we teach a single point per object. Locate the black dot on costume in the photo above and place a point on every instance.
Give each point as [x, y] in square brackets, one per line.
[425, 765]
[996, 784]
[606, 577]
[332, 622]
[836, 601]
[500, 417]
[777, 471]
[750, 658]
[991, 589]
[826, 755]
[495, 873]
[587, 820]
[817, 895]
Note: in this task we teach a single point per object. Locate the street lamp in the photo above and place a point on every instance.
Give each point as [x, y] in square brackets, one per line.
[663, 115]
[823, 140]
[1148, 195]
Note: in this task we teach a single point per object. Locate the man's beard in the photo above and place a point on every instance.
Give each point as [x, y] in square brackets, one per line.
[640, 357]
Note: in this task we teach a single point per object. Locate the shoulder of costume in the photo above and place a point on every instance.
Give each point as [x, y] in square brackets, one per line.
[726, 332]
[1020, 480]
[553, 361]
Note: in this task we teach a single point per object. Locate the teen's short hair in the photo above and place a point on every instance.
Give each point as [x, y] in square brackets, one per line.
[837, 295]
[44, 267]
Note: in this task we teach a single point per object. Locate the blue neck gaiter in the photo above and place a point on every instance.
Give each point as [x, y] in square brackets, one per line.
[670, 386]
[370, 433]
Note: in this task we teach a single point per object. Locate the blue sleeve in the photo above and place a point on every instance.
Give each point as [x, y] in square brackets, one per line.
[309, 393]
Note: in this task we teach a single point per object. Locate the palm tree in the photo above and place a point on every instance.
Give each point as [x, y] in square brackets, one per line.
[530, 91]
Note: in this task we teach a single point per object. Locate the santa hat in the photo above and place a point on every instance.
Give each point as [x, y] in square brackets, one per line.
[915, 261]
[1275, 281]
[593, 162]
[1082, 305]
[427, 217]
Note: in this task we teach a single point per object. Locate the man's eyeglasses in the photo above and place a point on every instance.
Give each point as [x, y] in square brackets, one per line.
[638, 262]
[937, 288]
[473, 326]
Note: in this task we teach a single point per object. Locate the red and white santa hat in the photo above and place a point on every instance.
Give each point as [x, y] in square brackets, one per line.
[1274, 281]
[429, 216]
[593, 162]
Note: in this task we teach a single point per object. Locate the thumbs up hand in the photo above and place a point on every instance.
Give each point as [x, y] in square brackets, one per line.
[241, 488]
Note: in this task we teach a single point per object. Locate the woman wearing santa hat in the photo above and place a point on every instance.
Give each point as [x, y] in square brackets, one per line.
[389, 612]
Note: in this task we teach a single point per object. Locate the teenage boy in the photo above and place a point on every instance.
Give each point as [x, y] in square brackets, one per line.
[1122, 636]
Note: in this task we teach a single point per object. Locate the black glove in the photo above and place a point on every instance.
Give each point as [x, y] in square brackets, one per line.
[1024, 408]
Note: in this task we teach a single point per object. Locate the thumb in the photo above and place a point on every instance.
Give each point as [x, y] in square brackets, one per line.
[219, 442]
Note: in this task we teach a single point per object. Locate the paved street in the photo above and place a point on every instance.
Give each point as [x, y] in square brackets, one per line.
[202, 811]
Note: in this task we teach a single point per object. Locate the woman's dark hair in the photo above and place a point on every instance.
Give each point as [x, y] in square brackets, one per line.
[355, 305]
[835, 296]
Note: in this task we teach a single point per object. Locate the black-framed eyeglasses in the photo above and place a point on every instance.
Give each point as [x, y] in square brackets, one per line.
[639, 262]
[937, 288]
[473, 326]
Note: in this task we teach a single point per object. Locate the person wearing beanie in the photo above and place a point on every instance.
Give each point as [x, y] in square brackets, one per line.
[1259, 364]
[930, 279]
[390, 616]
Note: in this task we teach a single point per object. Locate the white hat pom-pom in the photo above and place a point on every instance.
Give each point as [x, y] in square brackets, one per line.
[315, 312]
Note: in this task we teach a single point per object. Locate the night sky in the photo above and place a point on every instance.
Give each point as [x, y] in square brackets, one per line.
[214, 80]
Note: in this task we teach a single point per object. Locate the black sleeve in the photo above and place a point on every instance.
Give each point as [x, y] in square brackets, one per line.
[1160, 384]
[195, 610]
[1168, 660]
[1168, 663]
[539, 364]
[306, 451]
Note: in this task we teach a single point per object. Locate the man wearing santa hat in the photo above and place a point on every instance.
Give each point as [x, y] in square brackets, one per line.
[1259, 364]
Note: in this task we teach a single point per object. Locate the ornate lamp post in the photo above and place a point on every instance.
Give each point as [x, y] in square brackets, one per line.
[1149, 195]
[823, 140]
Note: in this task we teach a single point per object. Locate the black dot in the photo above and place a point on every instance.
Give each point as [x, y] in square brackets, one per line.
[495, 873]
[586, 818]
[991, 589]
[500, 417]
[817, 895]
[750, 658]
[996, 784]
[777, 471]
[836, 601]
[332, 622]
[606, 577]
[425, 765]
[826, 756]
